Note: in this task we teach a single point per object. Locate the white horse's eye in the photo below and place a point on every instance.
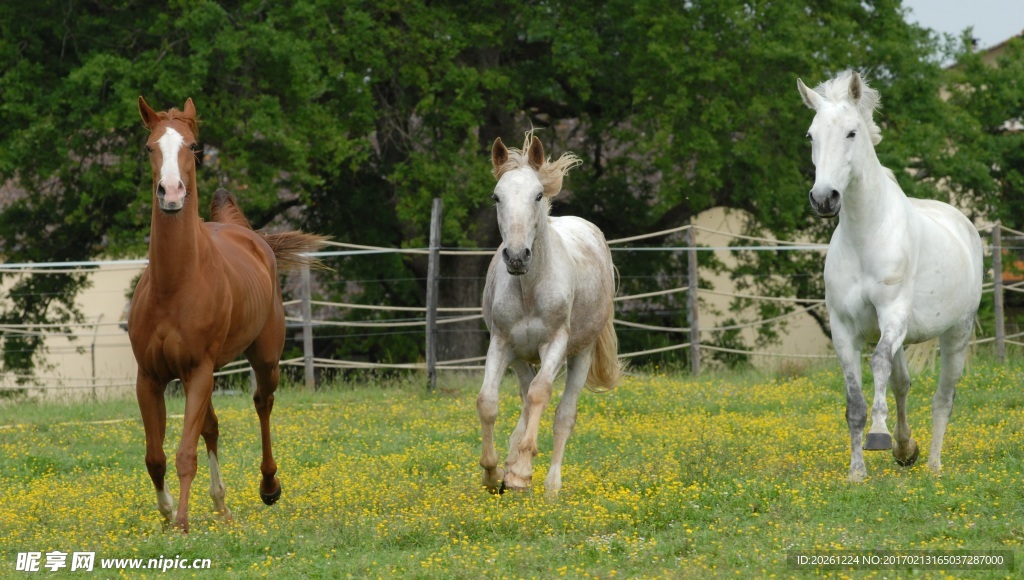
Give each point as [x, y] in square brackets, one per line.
[540, 196]
[809, 138]
[851, 134]
[494, 196]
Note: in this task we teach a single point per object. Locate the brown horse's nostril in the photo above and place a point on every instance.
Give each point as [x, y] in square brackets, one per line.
[160, 191]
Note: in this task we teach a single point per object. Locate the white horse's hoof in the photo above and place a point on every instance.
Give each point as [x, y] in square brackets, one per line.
[908, 456]
[878, 442]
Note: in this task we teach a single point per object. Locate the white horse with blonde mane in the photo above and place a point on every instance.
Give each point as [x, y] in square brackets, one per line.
[547, 302]
[898, 271]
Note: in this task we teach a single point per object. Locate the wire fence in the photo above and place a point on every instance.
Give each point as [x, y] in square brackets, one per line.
[91, 338]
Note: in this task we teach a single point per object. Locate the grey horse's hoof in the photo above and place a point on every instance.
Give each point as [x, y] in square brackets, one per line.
[878, 442]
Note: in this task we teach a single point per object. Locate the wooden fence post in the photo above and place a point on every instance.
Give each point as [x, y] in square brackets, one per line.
[307, 329]
[997, 290]
[692, 303]
[433, 269]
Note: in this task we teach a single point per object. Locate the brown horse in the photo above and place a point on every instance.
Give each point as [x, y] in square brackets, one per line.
[210, 293]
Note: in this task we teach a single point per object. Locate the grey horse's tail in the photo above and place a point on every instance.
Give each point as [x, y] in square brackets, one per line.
[605, 369]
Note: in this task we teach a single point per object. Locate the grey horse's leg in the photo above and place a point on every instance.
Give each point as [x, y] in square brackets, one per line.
[565, 415]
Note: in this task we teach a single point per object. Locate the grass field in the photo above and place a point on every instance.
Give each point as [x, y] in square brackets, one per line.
[664, 477]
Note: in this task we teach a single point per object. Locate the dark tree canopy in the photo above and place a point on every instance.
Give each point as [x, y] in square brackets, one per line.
[347, 118]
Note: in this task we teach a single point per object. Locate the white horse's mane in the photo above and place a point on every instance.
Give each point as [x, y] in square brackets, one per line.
[837, 90]
[550, 173]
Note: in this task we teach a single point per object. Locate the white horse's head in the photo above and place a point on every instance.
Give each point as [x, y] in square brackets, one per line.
[526, 183]
[842, 131]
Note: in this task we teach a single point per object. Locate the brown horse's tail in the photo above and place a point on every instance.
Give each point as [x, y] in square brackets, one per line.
[606, 369]
[289, 247]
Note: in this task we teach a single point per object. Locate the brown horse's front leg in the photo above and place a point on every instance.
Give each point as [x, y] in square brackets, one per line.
[150, 395]
[263, 399]
[198, 390]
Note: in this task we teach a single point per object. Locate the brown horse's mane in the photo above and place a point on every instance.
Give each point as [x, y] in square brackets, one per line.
[550, 174]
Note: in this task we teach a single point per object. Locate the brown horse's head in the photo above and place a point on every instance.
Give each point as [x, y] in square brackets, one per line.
[172, 153]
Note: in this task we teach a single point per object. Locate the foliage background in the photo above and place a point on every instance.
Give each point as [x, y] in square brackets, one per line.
[347, 118]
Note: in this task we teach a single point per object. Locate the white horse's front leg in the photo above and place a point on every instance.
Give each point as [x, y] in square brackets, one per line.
[893, 333]
[498, 358]
[519, 474]
[848, 351]
[904, 449]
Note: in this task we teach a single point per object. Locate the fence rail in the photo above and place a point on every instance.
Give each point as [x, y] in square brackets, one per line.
[431, 318]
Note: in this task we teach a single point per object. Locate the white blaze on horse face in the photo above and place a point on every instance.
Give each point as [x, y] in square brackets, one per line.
[833, 134]
[520, 205]
[170, 190]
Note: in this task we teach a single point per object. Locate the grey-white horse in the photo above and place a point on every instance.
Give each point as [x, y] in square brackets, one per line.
[548, 301]
[898, 270]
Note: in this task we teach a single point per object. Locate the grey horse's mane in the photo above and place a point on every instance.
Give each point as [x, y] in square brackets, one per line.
[550, 173]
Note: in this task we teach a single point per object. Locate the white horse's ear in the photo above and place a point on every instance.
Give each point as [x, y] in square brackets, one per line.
[855, 87]
[499, 154]
[811, 98]
[149, 116]
[536, 153]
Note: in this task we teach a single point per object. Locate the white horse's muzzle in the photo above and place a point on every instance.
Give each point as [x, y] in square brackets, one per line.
[827, 205]
[517, 262]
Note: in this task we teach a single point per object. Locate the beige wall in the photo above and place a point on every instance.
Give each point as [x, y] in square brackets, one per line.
[803, 336]
[100, 350]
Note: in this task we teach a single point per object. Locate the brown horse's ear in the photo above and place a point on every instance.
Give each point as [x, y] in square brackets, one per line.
[499, 154]
[190, 109]
[536, 153]
[149, 116]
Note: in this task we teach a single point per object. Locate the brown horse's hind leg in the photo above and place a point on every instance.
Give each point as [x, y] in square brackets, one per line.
[211, 432]
[150, 395]
[263, 399]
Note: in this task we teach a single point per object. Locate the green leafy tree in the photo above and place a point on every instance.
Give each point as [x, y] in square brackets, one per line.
[347, 118]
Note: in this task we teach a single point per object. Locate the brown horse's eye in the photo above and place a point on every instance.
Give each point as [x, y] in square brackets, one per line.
[149, 149]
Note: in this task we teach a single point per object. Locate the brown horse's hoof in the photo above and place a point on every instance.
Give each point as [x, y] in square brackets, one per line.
[908, 459]
[271, 498]
[878, 442]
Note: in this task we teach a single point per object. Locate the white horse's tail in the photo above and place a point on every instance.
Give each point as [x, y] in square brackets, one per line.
[605, 369]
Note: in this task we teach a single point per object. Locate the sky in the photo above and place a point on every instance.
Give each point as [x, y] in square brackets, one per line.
[994, 21]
